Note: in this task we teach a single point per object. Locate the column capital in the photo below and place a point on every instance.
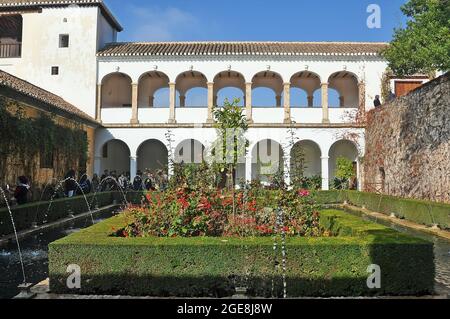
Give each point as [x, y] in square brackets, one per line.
[134, 84]
[172, 84]
[133, 158]
[210, 83]
[287, 84]
[325, 157]
[248, 83]
[324, 84]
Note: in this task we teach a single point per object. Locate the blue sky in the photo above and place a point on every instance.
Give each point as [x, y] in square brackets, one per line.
[254, 20]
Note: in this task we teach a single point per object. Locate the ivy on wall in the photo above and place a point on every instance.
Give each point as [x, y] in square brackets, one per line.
[23, 138]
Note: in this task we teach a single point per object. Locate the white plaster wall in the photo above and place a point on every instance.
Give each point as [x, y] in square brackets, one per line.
[77, 64]
[307, 115]
[116, 115]
[106, 33]
[268, 115]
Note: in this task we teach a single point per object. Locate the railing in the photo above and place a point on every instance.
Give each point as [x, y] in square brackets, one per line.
[10, 50]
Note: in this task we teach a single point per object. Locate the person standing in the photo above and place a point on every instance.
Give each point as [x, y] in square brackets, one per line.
[70, 184]
[21, 192]
[377, 102]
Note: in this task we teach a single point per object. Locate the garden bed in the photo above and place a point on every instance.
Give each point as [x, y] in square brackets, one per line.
[208, 266]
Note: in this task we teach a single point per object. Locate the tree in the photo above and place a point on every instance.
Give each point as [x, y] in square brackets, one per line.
[231, 144]
[424, 45]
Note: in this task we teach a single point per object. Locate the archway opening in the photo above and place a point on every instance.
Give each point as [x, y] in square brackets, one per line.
[116, 90]
[229, 85]
[267, 89]
[346, 84]
[152, 156]
[306, 168]
[309, 83]
[344, 151]
[153, 90]
[267, 162]
[192, 87]
[115, 158]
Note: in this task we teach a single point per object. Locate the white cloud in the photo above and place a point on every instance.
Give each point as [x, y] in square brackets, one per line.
[159, 24]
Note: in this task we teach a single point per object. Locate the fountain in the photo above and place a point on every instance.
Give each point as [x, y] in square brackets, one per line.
[109, 178]
[279, 228]
[24, 287]
[79, 187]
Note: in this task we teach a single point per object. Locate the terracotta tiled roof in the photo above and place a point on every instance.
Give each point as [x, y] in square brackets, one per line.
[42, 3]
[41, 95]
[241, 48]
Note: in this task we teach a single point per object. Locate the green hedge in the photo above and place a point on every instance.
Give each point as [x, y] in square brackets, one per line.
[419, 211]
[201, 267]
[26, 215]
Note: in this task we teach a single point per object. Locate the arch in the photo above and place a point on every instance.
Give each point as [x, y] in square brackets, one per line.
[186, 82]
[152, 155]
[116, 90]
[267, 160]
[346, 83]
[190, 151]
[148, 85]
[269, 85]
[115, 157]
[227, 80]
[305, 160]
[310, 82]
[342, 148]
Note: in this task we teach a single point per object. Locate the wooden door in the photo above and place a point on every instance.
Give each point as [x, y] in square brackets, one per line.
[404, 87]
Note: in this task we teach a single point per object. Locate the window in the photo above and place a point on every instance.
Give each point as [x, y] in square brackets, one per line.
[55, 70]
[63, 40]
[46, 159]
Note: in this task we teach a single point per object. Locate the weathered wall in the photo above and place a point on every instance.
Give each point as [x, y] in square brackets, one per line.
[12, 167]
[409, 139]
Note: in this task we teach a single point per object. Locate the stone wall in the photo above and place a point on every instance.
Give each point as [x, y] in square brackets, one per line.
[408, 144]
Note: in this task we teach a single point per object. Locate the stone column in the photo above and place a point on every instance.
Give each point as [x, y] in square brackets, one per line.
[325, 173]
[97, 165]
[362, 101]
[287, 170]
[278, 100]
[98, 115]
[133, 167]
[310, 101]
[248, 101]
[287, 103]
[151, 101]
[182, 101]
[172, 99]
[134, 103]
[325, 113]
[211, 104]
[248, 168]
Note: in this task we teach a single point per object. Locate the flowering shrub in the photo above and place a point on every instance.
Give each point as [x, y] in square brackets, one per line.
[187, 213]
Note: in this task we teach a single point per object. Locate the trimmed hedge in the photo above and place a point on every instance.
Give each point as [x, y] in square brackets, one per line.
[201, 267]
[26, 215]
[419, 211]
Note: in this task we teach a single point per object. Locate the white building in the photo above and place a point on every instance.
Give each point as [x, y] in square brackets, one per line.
[140, 91]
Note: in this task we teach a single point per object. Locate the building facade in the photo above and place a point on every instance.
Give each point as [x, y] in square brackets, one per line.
[150, 97]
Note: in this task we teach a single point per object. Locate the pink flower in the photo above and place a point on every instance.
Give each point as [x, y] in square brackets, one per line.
[303, 193]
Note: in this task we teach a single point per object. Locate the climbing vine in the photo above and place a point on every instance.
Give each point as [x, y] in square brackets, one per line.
[23, 138]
